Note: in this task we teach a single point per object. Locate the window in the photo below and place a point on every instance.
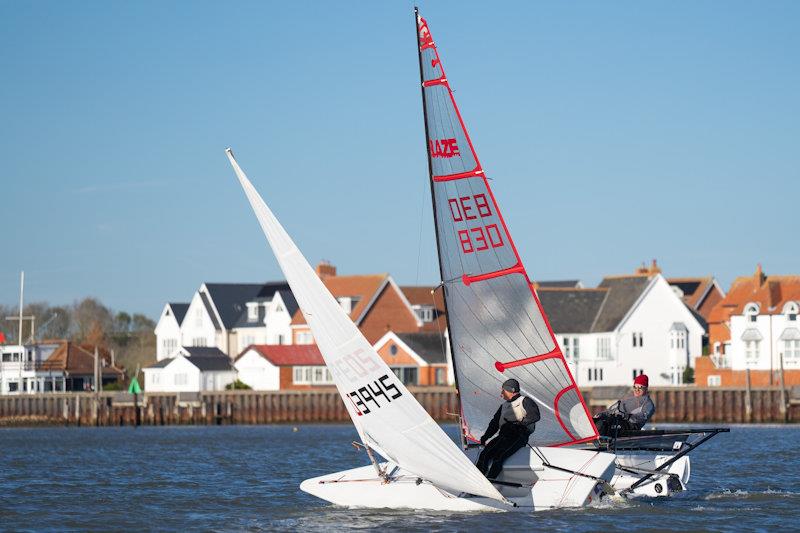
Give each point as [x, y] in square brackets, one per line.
[407, 375]
[304, 337]
[279, 308]
[751, 350]
[280, 339]
[393, 349]
[604, 348]
[714, 381]
[156, 378]
[180, 379]
[637, 339]
[348, 303]
[199, 342]
[311, 375]
[252, 311]
[423, 312]
[791, 310]
[595, 374]
[441, 376]
[637, 372]
[169, 345]
[751, 311]
[571, 348]
[791, 350]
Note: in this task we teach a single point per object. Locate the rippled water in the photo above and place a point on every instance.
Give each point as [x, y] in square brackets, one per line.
[245, 478]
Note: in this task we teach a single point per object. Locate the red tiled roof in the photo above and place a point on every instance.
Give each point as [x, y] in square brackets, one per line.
[423, 296]
[289, 355]
[79, 359]
[363, 287]
[771, 293]
[700, 286]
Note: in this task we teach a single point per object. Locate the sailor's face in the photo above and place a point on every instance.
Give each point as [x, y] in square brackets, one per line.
[638, 390]
[506, 395]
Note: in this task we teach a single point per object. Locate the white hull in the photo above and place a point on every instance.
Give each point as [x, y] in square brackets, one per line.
[543, 487]
[632, 467]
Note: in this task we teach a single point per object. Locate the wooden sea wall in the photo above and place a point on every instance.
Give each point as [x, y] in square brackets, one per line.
[680, 405]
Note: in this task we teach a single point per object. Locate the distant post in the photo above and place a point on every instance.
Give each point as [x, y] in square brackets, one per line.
[135, 389]
[784, 413]
[748, 404]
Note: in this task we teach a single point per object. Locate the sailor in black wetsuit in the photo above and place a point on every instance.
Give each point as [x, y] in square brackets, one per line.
[516, 419]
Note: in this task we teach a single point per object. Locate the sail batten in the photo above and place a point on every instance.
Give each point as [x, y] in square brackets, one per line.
[496, 324]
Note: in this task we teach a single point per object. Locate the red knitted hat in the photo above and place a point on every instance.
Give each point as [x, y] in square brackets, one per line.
[642, 380]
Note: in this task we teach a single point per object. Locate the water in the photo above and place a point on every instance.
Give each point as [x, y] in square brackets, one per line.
[245, 478]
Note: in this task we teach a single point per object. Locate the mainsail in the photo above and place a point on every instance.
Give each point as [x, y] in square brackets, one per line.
[388, 418]
[498, 329]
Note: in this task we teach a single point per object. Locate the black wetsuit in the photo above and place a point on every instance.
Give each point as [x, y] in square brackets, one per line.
[513, 436]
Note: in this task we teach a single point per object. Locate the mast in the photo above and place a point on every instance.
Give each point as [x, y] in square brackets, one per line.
[435, 218]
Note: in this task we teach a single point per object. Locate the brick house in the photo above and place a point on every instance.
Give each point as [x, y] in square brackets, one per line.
[756, 328]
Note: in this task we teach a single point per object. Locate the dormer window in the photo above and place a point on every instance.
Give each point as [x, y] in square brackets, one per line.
[348, 303]
[252, 311]
[791, 310]
[424, 312]
[751, 311]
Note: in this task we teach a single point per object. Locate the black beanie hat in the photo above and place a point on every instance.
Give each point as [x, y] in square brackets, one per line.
[511, 385]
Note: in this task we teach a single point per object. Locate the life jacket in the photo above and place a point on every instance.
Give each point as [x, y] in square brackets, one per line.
[512, 411]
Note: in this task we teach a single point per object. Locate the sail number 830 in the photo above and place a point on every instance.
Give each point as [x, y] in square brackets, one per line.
[479, 238]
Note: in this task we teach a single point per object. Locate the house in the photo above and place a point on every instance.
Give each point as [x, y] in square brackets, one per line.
[228, 316]
[754, 328]
[283, 367]
[628, 325]
[21, 368]
[168, 329]
[700, 294]
[416, 358]
[190, 369]
[76, 363]
[374, 302]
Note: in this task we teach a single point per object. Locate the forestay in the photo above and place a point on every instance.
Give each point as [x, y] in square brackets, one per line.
[497, 327]
[387, 416]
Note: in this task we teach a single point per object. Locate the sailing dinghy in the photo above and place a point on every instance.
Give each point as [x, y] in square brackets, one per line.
[497, 326]
[424, 469]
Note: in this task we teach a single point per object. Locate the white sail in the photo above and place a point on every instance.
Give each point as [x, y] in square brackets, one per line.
[387, 416]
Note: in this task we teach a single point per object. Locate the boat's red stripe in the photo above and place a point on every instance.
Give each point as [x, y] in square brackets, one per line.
[516, 269]
[555, 354]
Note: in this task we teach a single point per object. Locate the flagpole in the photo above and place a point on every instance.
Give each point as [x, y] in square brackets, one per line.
[22, 348]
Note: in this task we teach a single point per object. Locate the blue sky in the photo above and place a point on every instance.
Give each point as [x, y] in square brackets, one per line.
[614, 133]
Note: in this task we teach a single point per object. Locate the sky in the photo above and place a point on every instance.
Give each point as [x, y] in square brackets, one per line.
[613, 132]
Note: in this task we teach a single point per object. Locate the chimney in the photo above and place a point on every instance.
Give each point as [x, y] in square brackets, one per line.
[759, 277]
[325, 269]
[654, 268]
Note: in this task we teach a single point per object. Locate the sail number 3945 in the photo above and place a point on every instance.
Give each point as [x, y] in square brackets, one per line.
[479, 238]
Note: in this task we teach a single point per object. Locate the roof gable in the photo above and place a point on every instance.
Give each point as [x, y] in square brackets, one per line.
[364, 287]
[770, 292]
[623, 293]
[179, 311]
[229, 299]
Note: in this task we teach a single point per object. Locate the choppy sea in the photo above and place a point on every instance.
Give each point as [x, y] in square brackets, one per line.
[246, 478]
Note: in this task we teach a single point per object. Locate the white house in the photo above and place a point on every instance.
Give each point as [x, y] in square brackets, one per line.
[192, 369]
[627, 326]
[22, 369]
[168, 329]
[760, 337]
[228, 316]
[274, 367]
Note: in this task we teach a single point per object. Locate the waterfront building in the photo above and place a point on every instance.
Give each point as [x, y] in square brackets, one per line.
[754, 328]
[54, 366]
[700, 294]
[283, 367]
[628, 325]
[374, 302]
[227, 316]
[416, 358]
[190, 369]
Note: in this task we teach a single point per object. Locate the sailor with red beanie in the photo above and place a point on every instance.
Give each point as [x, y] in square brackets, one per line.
[631, 412]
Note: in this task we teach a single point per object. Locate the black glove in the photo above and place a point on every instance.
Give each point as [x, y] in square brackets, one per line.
[483, 441]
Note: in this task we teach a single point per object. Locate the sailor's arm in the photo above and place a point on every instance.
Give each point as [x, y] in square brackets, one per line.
[641, 418]
[494, 425]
